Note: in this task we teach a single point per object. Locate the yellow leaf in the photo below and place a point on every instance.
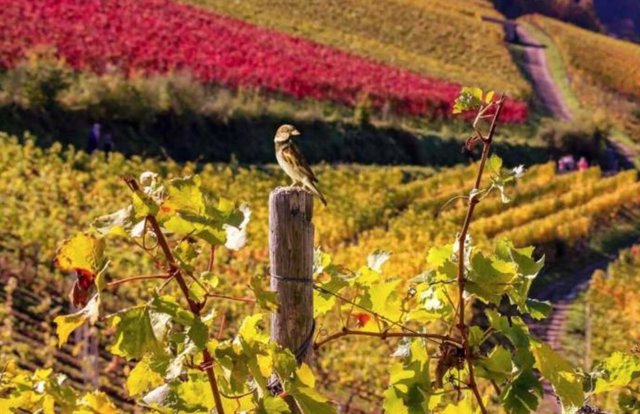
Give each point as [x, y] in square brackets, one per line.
[82, 252]
[489, 97]
[96, 402]
[48, 404]
[306, 375]
[142, 378]
[65, 324]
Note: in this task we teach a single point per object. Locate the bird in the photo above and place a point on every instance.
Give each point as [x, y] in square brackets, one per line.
[293, 162]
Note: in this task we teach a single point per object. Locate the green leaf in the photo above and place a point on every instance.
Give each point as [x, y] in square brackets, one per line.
[196, 292]
[198, 333]
[66, 324]
[497, 366]
[311, 401]
[565, 381]
[143, 205]
[469, 99]
[168, 305]
[619, 370]
[490, 278]
[185, 252]
[383, 299]
[134, 335]
[184, 195]
[522, 395]
[250, 332]
[266, 299]
[143, 378]
[409, 382]
[272, 405]
[203, 227]
[495, 164]
[439, 255]
[537, 309]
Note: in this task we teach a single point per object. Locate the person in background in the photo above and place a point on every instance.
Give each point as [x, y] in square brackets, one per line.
[583, 164]
[566, 164]
[94, 138]
[107, 141]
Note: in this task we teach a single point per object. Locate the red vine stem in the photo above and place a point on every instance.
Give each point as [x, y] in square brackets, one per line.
[473, 201]
[175, 272]
[119, 282]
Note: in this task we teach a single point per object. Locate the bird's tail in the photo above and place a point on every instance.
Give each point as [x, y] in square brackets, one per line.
[315, 191]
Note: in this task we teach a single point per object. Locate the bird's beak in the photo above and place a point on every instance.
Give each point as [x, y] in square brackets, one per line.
[295, 132]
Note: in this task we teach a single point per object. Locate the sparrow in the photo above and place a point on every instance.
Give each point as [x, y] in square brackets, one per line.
[293, 162]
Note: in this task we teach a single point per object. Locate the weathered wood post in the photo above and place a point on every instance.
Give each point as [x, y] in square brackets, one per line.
[291, 258]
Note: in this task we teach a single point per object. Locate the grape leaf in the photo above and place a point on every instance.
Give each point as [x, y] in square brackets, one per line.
[65, 324]
[561, 375]
[490, 278]
[81, 253]
[409, 382]
[522, 395]
[537, 309]
[497, 366]
[96, 402]
[184, 195]
[142, 378]
[272, 405]
[168, 305]
[266, 299]
[134, 335]
[619, 370]
[311, 401]
[199, 333]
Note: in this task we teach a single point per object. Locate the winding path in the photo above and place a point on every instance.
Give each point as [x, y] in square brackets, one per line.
[562, 292]
[535, 63]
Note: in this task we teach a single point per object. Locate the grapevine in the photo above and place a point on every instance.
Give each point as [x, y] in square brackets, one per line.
[446, 358]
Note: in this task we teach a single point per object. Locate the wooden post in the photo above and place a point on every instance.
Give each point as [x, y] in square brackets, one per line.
[291, 257]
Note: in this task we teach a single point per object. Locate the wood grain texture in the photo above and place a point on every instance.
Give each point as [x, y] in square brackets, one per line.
[291, 256]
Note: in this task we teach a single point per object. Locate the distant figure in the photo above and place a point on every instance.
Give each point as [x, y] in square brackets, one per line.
[583, 164]
[566, 164]
[610, 159]
[107, 141]
[94, 138]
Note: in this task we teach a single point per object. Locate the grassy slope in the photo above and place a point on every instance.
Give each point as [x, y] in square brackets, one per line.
[444, 39]
[609, 62]
[602, 72]
[558, 69]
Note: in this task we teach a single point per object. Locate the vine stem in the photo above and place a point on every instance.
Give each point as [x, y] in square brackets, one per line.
[119, 282]
[462, 237]
[406, 329]
[194, 307]
[384, 335]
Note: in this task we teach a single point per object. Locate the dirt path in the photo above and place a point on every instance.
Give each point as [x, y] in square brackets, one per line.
[535, 63]
[561, 294]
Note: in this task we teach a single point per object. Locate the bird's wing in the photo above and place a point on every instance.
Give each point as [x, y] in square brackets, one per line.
[292, 154]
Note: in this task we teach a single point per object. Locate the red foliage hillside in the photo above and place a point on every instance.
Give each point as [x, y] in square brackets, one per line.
[161, 36]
